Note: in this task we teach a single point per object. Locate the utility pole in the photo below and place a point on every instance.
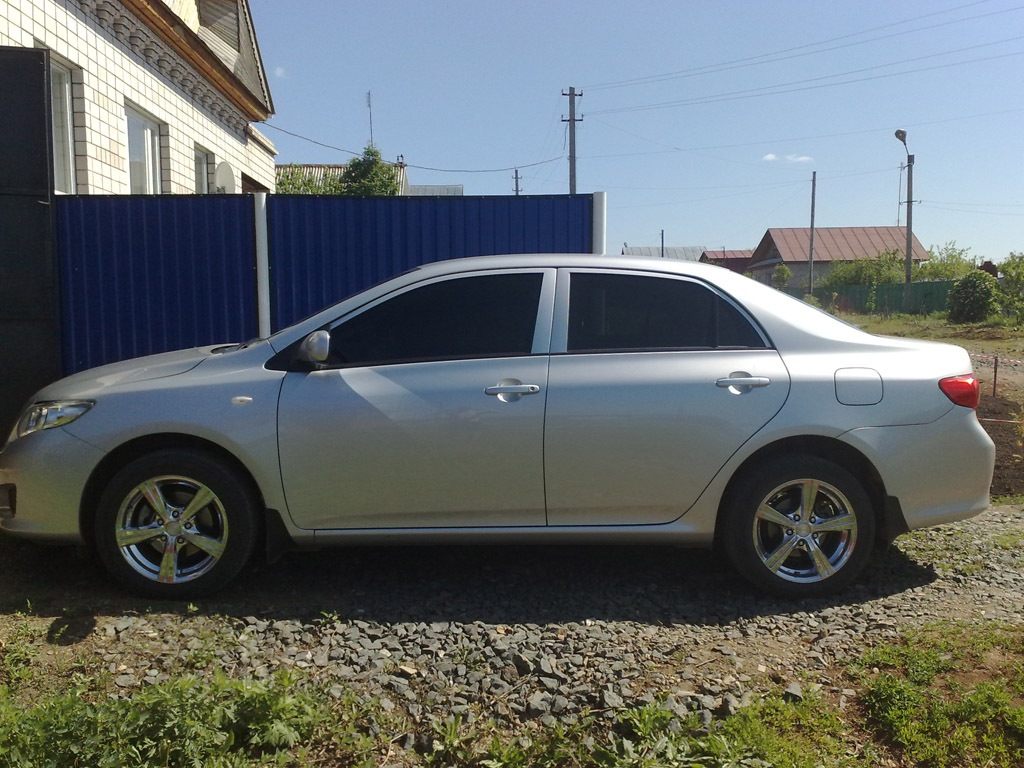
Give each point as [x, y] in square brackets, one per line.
[810, 250]
[369, 107]
[572, 120]
[517, 177]
[663, 243]
[901, 135]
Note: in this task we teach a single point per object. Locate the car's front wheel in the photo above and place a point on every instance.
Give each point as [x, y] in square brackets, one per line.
[176, 524]
[799, 526]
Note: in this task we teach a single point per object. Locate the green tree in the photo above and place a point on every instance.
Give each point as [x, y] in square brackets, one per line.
[948, 262]
[781, 276]
[973, 298]
[370, 176]
[364, 176]
[886, 267]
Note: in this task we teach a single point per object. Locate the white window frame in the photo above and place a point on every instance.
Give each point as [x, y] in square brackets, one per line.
[63, 129]
[203, 165]
[143, 151]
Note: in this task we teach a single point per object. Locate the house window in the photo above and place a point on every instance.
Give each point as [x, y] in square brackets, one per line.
[143, 153]
[203, 161]
[63, 129]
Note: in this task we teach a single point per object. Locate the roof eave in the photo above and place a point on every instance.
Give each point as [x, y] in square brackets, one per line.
[187, 44]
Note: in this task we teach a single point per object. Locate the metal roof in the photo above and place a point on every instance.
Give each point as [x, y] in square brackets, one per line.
[679, 253]
[833, 244]
[433, 190]
[736, 261]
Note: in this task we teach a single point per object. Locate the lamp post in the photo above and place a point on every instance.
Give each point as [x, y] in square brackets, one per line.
[909, 262]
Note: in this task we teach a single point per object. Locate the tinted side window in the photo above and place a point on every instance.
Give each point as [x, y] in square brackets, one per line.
[485, 316]
[622, 312]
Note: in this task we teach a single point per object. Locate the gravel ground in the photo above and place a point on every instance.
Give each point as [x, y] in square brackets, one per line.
[528, 633]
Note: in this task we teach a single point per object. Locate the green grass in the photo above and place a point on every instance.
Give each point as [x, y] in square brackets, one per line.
[950, 695]
[994, 337]
[289, 720]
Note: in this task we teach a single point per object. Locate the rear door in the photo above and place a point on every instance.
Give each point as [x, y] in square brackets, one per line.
[655, 381]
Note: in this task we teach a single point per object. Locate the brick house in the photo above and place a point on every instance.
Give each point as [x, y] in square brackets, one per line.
[150, 96]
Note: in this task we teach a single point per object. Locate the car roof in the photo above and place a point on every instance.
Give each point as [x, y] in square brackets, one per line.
[578, 260]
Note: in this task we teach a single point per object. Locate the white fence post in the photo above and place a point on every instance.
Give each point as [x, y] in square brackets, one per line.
[262, 264]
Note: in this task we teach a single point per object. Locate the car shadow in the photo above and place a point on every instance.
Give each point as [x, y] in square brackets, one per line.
[655, 585]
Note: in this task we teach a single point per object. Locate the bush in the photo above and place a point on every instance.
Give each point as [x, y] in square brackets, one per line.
[781, 276]
[887, 267]
[973, 298]
[1012, 285]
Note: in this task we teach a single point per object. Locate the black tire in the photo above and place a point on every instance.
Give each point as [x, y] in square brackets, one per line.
[156, 544]
[783, 551]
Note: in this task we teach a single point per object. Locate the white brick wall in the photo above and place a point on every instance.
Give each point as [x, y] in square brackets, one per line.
[108, 73]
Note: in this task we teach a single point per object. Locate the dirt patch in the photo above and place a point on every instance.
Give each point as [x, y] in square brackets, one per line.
[1000, 412]
[998, 415]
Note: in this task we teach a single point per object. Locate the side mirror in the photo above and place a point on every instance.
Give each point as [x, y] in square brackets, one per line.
[315, 347]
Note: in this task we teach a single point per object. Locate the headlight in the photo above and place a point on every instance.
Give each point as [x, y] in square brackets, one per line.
[49, 414]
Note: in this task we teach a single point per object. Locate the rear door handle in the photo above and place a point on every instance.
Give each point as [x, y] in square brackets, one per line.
[740, 382]
[744, 381]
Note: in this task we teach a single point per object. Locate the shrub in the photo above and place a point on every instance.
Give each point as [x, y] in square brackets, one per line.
[1012, 285]
[781, 276]
[973, 298]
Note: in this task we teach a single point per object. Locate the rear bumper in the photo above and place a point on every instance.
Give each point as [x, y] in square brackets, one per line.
[42, 477]
[939, 472]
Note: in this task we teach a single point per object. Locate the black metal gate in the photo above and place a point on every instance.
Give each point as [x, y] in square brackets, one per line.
[29, 324]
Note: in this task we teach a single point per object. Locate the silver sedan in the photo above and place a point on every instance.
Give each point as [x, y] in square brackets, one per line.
[538, 398]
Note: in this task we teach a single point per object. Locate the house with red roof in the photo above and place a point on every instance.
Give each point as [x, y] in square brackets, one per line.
[734, 260]
[792, 247]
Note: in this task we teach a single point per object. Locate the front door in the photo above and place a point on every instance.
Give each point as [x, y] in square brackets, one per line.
[430, 412]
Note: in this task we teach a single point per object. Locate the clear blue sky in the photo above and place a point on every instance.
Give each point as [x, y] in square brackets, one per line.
[702, 118]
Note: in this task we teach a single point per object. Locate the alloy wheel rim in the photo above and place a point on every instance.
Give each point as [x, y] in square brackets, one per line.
[171, 529]
[804, 530]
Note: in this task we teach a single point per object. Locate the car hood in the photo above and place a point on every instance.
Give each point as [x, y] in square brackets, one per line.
[95, 380]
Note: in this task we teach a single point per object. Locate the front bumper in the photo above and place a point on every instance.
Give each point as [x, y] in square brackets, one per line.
[940, 472]
[42, 476]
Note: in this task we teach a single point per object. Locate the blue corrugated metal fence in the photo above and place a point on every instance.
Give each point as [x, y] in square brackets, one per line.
[140, 275]
[323, 249]
[147, 274]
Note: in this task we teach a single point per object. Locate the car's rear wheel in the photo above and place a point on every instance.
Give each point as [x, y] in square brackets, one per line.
[176, 524]
[799, 526]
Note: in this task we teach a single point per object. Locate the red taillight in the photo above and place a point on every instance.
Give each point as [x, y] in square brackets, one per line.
[962, 390]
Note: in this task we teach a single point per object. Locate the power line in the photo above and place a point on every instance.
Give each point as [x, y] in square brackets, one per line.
[486, 170]
[788, 140]
[784, 88]
[417, 167]
[776, 56]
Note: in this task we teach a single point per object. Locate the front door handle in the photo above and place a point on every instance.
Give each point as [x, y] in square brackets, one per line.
[510, 390]
[740, 382]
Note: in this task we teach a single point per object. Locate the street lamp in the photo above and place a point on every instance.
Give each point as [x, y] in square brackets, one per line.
[909, 263]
